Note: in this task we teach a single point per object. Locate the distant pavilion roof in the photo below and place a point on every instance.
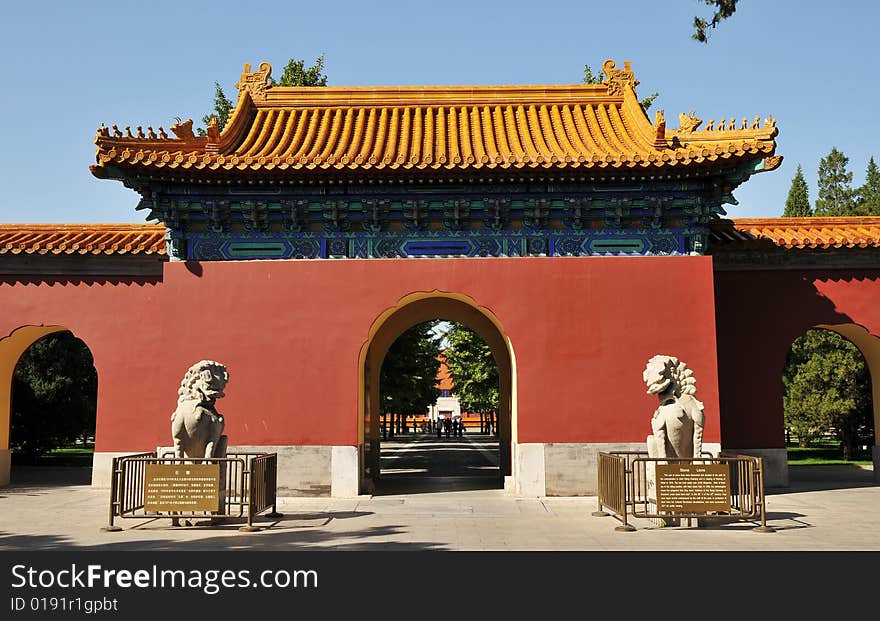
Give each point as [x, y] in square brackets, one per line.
[442, 128]
[82, 239]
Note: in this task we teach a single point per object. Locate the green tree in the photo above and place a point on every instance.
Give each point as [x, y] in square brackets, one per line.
[827, 387]
[54, 394]
[222, 109]
[591, 78]
[407, 381]
[797, 205]
[835, 186]
[295, 73]
[723, 10]
[868, 195]
[473, 369]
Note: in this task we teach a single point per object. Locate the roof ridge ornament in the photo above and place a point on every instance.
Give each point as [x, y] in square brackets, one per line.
[688, 123]
[659, 130]
[618, 78]
[255, 82]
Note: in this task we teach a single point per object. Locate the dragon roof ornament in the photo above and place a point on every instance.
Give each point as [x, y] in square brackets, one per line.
[618, 78]
[255, 82]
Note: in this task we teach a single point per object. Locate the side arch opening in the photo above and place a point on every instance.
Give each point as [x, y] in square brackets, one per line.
[48, 394]
[832, 404]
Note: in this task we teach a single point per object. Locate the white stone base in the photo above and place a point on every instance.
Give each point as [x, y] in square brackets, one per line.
[713, 448]
[6, 466]
[344, 471]
[775, 464]
[528, 468]
[102, 467]
[302, 470]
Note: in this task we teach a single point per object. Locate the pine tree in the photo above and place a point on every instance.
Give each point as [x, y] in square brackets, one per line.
[797, 205]
[473, 369]
[835, 186]
[407, 380]
[868, 203]
[54, 395]
[827, 386]
[723, 10]
[222, 109]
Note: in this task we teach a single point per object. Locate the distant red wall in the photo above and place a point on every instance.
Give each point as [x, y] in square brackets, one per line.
[759, 314]
[290, 333]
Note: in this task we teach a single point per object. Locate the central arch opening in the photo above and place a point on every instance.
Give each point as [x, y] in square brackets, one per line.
[421, 433]
[438, 400]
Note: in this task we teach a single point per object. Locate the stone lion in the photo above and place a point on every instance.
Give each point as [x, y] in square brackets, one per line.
[677, 424]
[196, 426]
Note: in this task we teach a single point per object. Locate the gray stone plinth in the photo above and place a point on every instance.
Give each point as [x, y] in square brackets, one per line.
[571, 469]
[775, 464]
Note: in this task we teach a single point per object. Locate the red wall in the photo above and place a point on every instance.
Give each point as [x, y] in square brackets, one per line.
[759, 314]
[290, 333]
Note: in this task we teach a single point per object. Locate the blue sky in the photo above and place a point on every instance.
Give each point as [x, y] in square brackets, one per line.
[72, 66]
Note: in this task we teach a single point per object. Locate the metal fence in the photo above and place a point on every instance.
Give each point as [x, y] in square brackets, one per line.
[625, 489]
[247, 487]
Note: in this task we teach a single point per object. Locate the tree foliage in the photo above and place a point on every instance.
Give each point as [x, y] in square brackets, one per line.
[835, 186]
[797, 205]
[473, 369]
[826, 382]
[723, 10]
[591, 78]
[54, 394]
[294, 73]
[827, 387]
[407, 382]
[222, 109]
[868, 195]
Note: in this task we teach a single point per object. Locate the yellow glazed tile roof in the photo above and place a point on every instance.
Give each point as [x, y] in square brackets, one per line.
[103, 239]
[812, 233]
[457, 128]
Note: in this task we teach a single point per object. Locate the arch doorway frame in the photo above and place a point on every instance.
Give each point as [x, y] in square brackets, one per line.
[11, 349]
[869, 346]
[411, 310]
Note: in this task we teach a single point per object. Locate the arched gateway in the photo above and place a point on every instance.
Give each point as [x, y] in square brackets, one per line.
[559, 221]
[410, 311]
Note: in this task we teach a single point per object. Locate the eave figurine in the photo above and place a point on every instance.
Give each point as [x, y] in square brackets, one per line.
[196, 426]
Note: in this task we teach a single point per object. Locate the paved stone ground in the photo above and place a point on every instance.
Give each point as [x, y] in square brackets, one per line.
[824, 509]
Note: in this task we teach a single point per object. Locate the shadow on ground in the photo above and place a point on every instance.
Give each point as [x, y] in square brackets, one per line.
[821, 478]
[294, 531]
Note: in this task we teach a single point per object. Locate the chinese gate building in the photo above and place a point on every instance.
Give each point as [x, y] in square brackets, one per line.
[577, 236]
